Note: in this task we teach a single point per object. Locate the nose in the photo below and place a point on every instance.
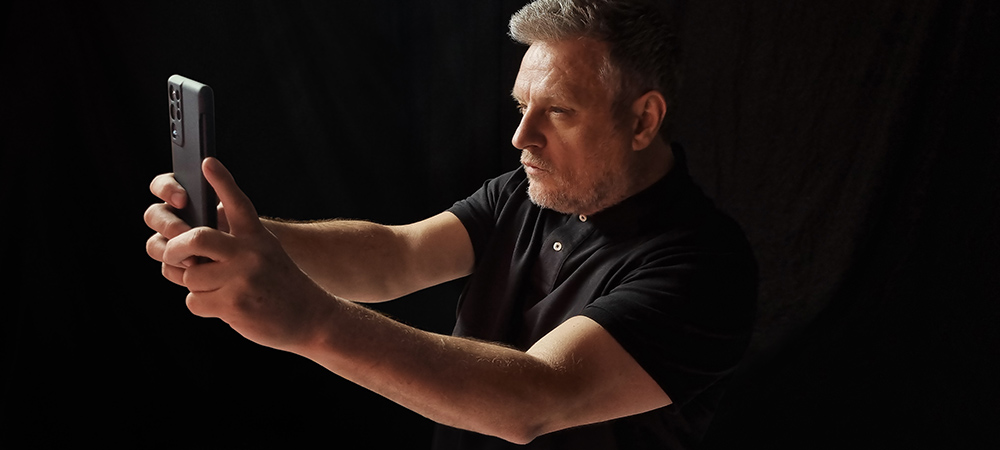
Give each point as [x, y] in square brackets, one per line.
[528, 134]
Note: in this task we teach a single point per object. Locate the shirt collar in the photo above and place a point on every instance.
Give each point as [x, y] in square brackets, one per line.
[651, 205]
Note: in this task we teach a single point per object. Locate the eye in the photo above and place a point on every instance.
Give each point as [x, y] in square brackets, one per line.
[560, 111]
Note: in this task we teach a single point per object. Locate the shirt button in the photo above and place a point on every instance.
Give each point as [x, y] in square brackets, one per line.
[583, 218]
[557, 246]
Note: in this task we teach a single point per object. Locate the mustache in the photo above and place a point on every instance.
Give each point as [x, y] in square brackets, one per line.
[531, 160]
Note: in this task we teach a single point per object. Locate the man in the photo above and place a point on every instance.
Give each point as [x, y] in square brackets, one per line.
[608, 299]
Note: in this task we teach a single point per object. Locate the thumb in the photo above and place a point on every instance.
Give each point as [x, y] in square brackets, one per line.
[240, 212]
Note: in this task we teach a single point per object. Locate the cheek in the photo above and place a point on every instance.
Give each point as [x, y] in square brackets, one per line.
[586, 149]
[574, 152]
[595, 152]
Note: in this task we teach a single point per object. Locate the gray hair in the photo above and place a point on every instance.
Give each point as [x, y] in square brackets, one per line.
[640, 37]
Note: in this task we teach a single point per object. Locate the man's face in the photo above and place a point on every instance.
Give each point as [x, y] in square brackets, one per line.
[573, 149]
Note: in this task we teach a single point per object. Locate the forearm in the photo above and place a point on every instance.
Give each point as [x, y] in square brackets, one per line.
[355, 260]
[458, 382]
[367, 262]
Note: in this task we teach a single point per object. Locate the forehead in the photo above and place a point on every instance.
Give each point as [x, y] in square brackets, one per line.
[566, 70]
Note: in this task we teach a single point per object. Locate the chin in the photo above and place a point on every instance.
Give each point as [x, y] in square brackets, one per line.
[559, 200]
[577, 197]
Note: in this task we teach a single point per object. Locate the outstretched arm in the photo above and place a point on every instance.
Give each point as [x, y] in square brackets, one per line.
[356, 260]
[575, 375]
[367, 262]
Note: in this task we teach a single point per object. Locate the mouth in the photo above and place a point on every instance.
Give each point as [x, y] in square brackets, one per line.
[532, 167]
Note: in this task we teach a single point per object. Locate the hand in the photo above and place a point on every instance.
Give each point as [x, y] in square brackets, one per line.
[239, 273]
[163, 218]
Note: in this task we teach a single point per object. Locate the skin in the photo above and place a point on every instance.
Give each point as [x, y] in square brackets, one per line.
[579, 157]
[287, 285]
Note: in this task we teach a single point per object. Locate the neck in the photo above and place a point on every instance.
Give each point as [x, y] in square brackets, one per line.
[651, 164]
[645, 168]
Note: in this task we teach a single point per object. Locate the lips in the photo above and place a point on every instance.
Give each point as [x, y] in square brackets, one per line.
[532, 165]
[533, 170]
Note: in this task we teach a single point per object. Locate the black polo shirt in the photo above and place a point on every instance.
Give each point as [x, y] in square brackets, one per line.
[667, 274]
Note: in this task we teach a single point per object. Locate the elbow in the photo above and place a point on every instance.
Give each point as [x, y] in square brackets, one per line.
[523, 427]
[521, 434]
[538, 413]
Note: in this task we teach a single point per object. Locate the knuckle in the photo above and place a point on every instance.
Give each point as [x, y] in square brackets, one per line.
[161, 184]
[154, 247]
[175, 226]
[199, 236]
[151, 213]
[196, 306]
[154, 185]
[161, 218]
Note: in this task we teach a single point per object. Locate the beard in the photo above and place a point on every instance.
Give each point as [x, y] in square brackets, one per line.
[598, 188]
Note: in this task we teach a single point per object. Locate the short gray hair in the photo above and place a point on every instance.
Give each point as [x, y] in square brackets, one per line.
[640, 36]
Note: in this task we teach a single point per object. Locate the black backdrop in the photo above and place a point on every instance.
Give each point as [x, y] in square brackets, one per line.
[857, 144]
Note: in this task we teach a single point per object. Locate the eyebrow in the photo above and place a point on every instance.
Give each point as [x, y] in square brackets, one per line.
[556, 97]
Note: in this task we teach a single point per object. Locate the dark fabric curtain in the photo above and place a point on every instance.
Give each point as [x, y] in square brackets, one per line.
[858, 146]
[857, 143]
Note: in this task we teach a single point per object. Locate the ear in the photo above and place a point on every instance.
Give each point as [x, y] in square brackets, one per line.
[648, 110]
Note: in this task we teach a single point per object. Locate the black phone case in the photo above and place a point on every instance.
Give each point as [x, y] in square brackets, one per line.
[192, 136]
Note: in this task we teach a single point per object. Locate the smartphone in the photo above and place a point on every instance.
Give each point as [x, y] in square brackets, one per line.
[192, 138]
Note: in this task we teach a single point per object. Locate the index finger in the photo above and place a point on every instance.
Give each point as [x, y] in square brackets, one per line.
[166, 188]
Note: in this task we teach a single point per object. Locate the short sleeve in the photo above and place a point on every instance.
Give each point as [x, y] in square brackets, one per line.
[480, 212]
[685, 317]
